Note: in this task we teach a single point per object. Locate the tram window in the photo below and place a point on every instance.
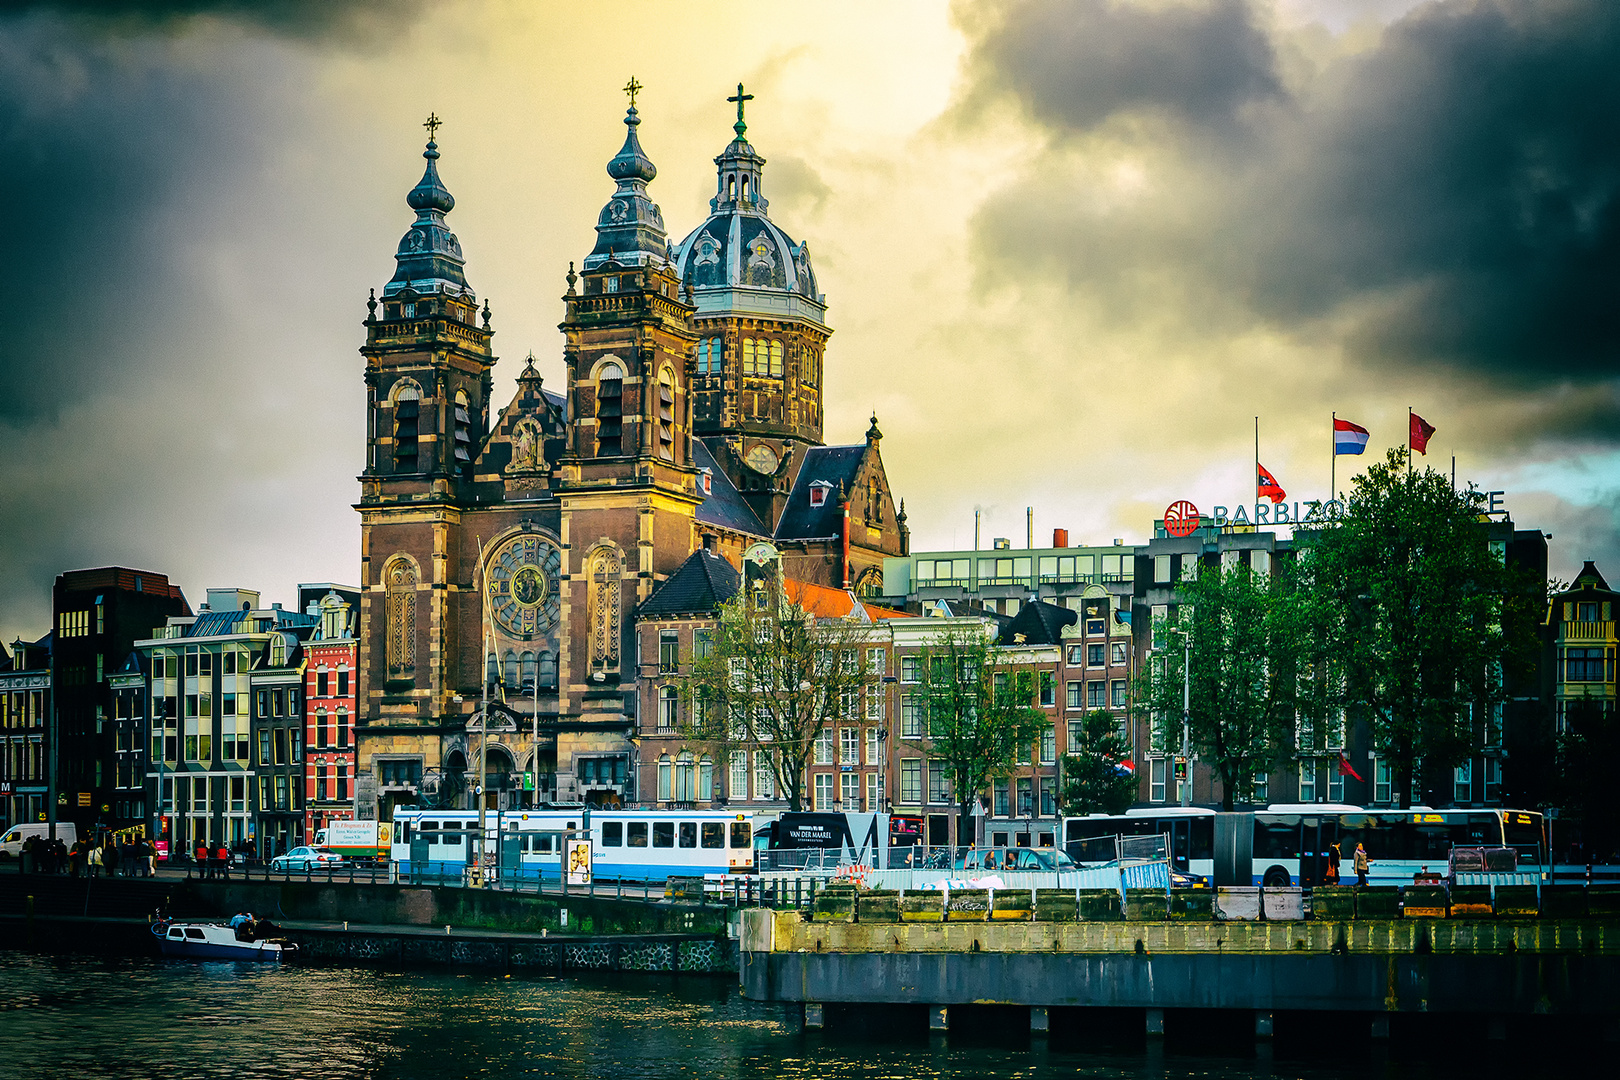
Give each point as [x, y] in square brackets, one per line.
[1203, 838]
[663, 834]
[542, 844]
[714, 834]
[612, 834]
[742, 834]
[688, 834]
[430, 831]
[636, 834]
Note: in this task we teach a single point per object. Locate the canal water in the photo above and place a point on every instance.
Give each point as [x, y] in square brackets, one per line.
[82, 1017]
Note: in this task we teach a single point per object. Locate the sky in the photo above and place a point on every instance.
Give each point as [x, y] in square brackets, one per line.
[1071, 250]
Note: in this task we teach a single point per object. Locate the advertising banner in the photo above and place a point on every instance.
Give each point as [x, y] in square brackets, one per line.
[579, 862]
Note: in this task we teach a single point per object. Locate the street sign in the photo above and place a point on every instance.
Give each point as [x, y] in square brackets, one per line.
[528, 781]
[84, 798]
[1181, 768]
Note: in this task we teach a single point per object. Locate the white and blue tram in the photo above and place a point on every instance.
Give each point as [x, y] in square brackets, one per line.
[626, 845]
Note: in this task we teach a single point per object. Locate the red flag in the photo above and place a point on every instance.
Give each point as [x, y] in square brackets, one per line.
[1421, 430]
[1344, 766]
[1266, 486]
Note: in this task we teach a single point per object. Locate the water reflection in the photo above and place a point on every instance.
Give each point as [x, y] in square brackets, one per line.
[77, 1017]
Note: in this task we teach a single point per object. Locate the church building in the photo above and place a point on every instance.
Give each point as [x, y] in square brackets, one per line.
[504, 551]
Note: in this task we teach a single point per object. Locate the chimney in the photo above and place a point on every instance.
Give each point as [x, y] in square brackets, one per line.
[1060, 538]
[1029, 522]
[976, 513]
[709, 540]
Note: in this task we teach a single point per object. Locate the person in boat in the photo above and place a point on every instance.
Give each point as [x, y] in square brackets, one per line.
[242, 923]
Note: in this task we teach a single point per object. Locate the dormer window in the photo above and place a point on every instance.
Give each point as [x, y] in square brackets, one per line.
[818, 493]
[706, 482]
[610, 284]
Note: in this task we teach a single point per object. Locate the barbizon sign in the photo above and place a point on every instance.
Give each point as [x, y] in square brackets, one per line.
[1181, 514]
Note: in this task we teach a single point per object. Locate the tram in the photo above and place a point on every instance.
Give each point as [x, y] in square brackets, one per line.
[626, 845]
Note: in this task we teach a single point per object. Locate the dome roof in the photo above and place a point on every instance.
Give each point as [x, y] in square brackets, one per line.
[429, 258]
[739, 246]
[630, 228]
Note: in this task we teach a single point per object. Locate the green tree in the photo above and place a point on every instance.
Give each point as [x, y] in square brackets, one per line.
[1241, 713]
[980, 708]
[1587, 752]
[772, 679]
[1411, 601]
[1093, 782]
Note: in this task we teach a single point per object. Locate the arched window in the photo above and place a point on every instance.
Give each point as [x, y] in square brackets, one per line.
[710, 354]
[463, 434]
[407, 418]
[399, 579]
[685, 778]
[610, 410]
[548, 669]
[731, 188]
[668, 708]
[666, 415]
[750, 362]
[776, 359]
[706, 779]
[663, 778]
[745, 189]
[527, 663]
[492, 670]
[320, 728]
[509, 669]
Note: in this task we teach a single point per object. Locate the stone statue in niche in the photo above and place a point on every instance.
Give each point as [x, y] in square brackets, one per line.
[527, 455]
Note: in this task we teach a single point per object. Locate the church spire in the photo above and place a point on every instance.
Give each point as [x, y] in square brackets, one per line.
[630, 228]
[429, 257]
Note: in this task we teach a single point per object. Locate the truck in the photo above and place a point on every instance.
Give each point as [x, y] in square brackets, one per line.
[364, 843]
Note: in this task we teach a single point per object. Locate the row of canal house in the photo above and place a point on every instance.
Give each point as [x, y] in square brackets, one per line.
[246, 714]
[1082, 619]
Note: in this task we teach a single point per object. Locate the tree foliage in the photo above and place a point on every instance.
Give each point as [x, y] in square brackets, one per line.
[1243, 659]
[1408, 597]
[772, 679]
[980, 708]
[1093, 782]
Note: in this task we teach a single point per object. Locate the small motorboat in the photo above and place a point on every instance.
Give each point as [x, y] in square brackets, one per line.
[216, 941]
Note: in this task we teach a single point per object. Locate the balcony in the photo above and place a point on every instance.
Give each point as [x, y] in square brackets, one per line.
[1587, 631]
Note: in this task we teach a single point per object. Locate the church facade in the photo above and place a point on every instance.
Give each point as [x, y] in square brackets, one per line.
[504, 551]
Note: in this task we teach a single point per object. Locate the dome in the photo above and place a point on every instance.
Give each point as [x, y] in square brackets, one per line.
[630, 228]
[739, 246]
[429, 258]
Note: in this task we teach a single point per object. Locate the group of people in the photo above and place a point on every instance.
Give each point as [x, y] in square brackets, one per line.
[249, 928]
[45, 855]
[212, 863]
[113, 856]
[1358, 862]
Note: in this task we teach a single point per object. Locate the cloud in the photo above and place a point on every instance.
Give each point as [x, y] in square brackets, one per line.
[307, 19]
[1446, 196]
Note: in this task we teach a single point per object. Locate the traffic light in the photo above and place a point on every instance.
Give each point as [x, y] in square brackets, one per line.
[1181, 768]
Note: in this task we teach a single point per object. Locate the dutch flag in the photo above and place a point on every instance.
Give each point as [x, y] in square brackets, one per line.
[1348, 438]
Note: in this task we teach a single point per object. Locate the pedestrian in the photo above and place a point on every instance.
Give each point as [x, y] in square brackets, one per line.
[109, 858]
[95, 861]
[1362, 864]
[222, 856]
[1334, 857]
[76, 859]
[201, 855]
[150, 850]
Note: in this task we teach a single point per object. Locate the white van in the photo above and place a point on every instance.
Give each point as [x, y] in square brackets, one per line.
[11, 844]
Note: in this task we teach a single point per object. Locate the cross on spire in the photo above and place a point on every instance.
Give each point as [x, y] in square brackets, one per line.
[432, 123]
[741, 99]
[632, 88]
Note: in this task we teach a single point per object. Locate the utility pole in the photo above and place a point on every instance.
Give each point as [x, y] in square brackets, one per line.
[1186, 719]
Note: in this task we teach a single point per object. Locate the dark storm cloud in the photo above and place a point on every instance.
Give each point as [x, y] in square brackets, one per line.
[1075, 64]
[292, 18]
[1451, 193]
[97, 147]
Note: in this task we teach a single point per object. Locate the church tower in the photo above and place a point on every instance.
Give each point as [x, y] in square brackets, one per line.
[626, 482]
[428, 363]
[761, 327]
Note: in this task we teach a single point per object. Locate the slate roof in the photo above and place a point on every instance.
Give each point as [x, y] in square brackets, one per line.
[833, 465]
[697, 587]
[724, 505]
[1040, 623]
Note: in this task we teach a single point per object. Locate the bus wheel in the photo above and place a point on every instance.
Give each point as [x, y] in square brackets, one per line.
[1277, 878]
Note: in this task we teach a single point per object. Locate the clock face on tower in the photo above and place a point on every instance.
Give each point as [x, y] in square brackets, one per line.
[521, 585]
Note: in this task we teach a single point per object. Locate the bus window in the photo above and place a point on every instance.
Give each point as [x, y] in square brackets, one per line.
[688, 834]
[1277, 838]
[741, 834]
[663, 834]
[612, 834]
[636, 834]
[714, 834]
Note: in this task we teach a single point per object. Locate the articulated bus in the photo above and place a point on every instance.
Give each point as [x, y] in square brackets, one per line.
[626, 845]
[1291, 842]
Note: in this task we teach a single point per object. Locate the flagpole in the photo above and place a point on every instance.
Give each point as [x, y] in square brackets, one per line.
[1409, 440]
[1333, 458]
[1257, 465]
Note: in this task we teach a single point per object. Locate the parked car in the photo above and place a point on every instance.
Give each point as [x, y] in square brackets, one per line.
[308, 858]
[993, 859]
